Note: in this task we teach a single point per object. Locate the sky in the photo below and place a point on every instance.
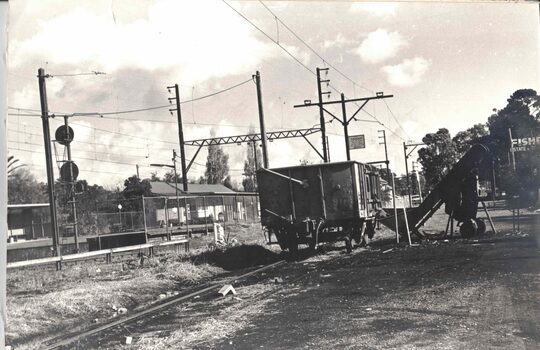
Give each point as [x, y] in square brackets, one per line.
[446, 64]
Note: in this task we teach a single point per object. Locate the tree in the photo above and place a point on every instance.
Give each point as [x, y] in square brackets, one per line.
[154, 177]
[464, 140]
[249, 182]
[170, 177]
[134, 189]
[217, 167]
[522, 116]
[23, 188]
[12, 165]
[437, 157]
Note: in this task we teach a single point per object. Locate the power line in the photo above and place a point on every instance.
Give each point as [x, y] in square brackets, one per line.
[302, 64]
[82, 114]
[398, 123]
[313, 50]
[75, 74]
[270, 38]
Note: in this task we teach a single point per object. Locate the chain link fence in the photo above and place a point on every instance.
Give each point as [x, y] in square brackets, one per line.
[188, 215]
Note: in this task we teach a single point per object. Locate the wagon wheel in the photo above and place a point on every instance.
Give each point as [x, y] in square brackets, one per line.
[468, 228]
[292, 243]
[481, 226]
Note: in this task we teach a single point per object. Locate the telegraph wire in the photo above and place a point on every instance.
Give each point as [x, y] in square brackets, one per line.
[74, 74]
[313, 50]
[82, 114]
[393, 115]
[302, 64]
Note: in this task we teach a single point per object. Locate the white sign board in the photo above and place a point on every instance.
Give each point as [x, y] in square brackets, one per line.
[525, 144]
[357, 142]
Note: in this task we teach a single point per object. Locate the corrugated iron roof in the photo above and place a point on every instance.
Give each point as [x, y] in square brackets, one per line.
[168, 189]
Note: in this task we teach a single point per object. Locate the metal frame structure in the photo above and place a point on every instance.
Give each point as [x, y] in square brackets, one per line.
[239, 139]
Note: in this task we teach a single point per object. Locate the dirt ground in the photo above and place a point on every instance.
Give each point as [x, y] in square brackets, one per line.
[445, 293]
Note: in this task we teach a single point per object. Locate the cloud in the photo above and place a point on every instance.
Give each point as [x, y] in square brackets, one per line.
[380, 45]
[192, 39]
[407, 73]
[340, 41]
[380, 9]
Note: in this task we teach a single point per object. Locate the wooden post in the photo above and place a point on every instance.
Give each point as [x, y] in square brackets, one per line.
[407, 226]
[144, 220]
[205, 215]
[447, 225]
[167, 220]
[186, 214]
[489, 217]
[395, 208]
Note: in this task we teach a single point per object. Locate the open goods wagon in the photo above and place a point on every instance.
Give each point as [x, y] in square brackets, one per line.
[319, 203]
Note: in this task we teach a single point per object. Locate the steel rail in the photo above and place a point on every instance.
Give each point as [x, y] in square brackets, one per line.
[78, 336]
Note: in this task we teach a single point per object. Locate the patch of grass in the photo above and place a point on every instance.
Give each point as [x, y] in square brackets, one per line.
[43, 302]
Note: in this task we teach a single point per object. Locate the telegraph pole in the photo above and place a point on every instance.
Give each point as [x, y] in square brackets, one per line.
[417, 173]
[180, 135]
[48, 158]
[176, 192]
[407, 174]
[321, 113]
[345, 121]
[414, 145]
[72, 183]
[261, 119]
[345, 126]
[385, 153]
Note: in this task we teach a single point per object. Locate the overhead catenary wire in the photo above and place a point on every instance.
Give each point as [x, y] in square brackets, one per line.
[302, 64]
[312, 49]
[139, 109]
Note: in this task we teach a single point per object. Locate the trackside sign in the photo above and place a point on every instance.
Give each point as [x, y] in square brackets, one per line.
[525, 144]
[357, 142]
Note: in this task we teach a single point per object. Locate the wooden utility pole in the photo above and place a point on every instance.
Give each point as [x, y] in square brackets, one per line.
[261, 119]
[407, 173]
[345, 121]
[345, 124]
[180, 135]
[387, 162]
[321, 113]
[405, 146]
[48, 158]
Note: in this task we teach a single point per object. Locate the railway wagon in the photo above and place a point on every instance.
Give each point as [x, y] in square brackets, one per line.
[316, 203]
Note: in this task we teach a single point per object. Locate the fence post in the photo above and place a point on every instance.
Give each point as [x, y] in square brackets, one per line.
[235, 209]
[186, 214]
[144, 220]
[167, 220]
[205, 215]
[244, 208]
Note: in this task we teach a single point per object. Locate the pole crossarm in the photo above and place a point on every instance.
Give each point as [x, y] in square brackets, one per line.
[309, 104]
[332, 115]
[412, 145]
[285, 134]
[314, 148]
[358, 110]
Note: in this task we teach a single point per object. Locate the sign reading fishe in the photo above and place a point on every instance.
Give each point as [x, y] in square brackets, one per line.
[357, 142]
[525, 144]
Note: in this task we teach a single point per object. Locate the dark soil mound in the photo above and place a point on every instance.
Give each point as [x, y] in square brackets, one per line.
[238, 257]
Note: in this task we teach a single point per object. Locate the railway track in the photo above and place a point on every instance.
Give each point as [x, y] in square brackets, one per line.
[67, 340]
